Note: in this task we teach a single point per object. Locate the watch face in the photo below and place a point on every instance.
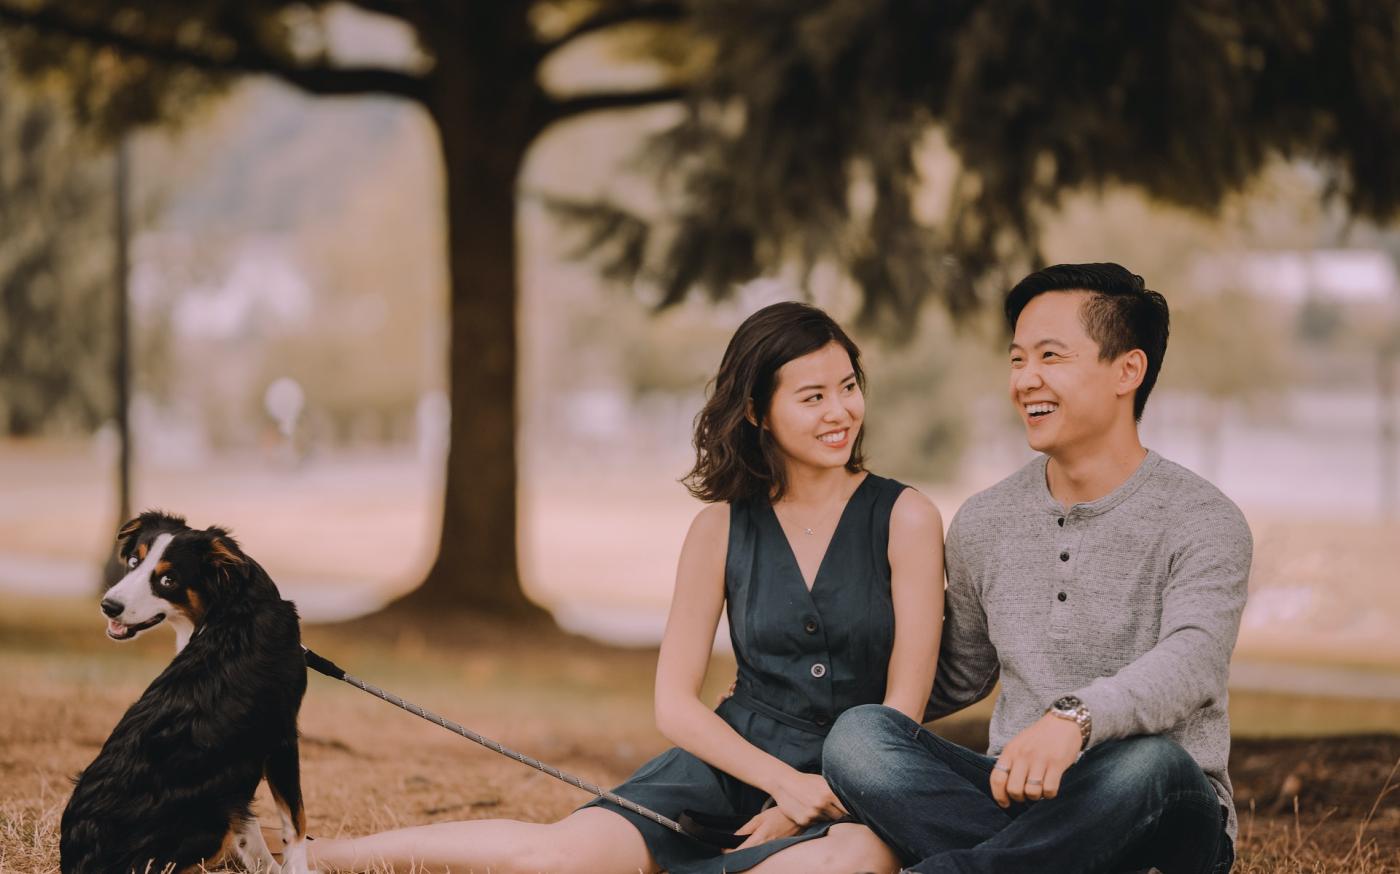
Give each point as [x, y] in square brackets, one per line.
[1069, 702]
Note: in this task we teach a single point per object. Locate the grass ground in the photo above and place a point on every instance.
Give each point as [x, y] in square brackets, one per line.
[1319, 805]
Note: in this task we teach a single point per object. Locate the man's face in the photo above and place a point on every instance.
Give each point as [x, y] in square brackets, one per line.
[1066, 396]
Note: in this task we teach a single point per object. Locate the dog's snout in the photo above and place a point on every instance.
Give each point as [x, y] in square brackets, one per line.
[111, 608]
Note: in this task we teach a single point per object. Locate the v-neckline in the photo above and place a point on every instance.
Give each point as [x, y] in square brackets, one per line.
[835, 532]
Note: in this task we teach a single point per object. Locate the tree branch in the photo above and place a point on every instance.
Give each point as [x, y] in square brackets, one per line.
[320, 80]
[388, 8]
[658, 11]
[560, 110]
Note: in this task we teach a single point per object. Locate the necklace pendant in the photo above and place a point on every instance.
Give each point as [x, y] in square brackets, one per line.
[809, 532]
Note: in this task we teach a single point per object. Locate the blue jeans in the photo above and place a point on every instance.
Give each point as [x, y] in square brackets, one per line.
[1126, 805]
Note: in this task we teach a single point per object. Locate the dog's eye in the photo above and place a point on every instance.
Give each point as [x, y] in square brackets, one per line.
[131, 562]
[166, 582]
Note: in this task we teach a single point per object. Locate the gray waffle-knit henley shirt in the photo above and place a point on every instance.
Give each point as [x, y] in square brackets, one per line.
[1132, 602]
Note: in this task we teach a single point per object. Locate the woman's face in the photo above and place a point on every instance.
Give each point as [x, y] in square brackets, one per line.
[817, 408]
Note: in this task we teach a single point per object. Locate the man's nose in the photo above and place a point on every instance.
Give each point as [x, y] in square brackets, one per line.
[1026, 378]
[112, 608]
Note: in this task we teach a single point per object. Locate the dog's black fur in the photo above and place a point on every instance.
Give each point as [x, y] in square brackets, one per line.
[180, 769]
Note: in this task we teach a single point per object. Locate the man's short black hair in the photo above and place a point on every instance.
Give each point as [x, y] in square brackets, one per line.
[1122, 313]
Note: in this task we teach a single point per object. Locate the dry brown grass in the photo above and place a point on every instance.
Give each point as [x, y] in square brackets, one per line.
[581, 707]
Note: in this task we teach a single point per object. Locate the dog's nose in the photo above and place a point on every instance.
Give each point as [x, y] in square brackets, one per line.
[112, 608]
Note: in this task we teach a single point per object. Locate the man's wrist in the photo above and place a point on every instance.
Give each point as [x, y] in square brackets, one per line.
[1071, 708]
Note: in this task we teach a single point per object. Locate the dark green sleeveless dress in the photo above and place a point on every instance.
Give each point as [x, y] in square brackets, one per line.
[803, 657]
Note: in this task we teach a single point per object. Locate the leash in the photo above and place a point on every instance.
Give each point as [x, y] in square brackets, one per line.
[695, 830]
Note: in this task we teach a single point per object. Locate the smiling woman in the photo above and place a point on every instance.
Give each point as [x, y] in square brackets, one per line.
[831, 579]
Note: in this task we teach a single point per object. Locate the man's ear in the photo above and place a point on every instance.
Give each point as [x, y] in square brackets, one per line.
[1132, 369]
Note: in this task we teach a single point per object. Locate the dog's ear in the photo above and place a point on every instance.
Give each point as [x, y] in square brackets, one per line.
[127, 535]
[130, 531]
[224, 554]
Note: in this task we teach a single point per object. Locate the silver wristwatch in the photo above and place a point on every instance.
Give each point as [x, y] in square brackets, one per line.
[1071, 708]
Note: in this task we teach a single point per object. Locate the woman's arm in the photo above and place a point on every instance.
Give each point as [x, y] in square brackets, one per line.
[685, 654]
[916, 585]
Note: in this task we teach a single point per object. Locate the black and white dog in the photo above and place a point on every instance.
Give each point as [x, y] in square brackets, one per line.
[173, 784]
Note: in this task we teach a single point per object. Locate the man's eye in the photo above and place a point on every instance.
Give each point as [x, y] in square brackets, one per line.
[131, 562]
[1050, 355]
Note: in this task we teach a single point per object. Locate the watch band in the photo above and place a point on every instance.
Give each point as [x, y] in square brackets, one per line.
[1072, 709]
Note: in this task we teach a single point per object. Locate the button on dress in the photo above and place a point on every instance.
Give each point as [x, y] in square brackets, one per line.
[803, 658]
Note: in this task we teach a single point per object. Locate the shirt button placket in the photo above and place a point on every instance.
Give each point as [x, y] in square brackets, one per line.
[1063, 575]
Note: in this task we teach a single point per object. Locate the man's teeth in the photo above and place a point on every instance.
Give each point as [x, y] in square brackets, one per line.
[1035, 409]
[834, 437]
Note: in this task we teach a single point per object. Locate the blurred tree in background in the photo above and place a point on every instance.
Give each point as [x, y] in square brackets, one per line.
[55, 300]
[799, 145]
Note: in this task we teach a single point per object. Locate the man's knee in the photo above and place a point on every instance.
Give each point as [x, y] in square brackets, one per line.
[860, 737]
[1150, 763]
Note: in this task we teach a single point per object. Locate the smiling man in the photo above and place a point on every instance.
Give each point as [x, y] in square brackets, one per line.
[1103, 585]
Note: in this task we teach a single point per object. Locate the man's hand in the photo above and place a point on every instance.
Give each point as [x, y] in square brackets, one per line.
[1030, 766]
[768, 825]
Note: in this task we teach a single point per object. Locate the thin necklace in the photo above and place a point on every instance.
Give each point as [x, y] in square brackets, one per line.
[821, 522]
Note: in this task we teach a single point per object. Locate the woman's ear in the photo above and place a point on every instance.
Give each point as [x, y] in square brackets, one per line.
[749, 414]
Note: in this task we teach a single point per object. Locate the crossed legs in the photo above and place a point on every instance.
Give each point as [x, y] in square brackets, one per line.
[1133, 803]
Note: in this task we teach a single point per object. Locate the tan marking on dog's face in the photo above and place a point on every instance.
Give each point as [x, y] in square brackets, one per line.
[193, 609]
[162, 568]
[141, 550]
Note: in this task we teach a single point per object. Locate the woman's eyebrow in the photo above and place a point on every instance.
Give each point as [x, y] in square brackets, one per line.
[847, 378]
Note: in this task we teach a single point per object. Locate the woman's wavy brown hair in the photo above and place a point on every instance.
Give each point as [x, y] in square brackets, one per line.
[735, 458]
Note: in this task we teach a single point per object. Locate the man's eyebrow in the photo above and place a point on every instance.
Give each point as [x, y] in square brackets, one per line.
[1048, 341]
[845, 379]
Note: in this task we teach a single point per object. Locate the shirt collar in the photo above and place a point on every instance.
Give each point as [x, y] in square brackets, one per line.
[1108, 501]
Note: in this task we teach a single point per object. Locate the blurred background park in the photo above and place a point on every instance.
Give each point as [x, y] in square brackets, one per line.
[387, 287]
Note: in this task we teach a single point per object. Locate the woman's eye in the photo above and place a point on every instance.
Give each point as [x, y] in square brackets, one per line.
[131, 562]
[814, 398]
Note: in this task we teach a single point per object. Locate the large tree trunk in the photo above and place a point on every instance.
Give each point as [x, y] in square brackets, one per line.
[483, 145]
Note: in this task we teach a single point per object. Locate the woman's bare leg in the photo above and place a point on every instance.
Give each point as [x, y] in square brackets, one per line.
[846, 847]
[591, 841]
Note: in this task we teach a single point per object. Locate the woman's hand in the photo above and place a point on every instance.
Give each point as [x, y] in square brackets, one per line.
[806, 798]
[769, 825]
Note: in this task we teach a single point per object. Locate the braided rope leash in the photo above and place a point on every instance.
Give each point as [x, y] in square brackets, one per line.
[331, 669]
